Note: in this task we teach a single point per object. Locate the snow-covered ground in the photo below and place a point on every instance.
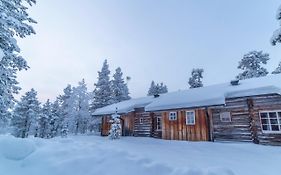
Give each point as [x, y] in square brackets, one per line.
[94, 155]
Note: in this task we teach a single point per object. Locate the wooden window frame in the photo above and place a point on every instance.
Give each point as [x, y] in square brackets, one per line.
[225, 121]
[270, 125]
[187, 119]
[158, 123]
[175, 117]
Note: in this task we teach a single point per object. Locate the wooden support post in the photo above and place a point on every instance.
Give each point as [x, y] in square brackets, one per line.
[209, 118]
[253, 125]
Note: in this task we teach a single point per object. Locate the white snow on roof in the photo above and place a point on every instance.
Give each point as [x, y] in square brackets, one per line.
[216, 94]
[199, 97]
[125, 106]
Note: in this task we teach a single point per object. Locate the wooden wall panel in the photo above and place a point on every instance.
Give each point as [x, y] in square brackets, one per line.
[178, 130]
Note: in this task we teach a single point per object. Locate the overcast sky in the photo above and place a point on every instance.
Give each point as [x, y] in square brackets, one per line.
[159, 40]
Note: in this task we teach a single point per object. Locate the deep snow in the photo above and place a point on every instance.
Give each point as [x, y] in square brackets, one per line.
[94, 155]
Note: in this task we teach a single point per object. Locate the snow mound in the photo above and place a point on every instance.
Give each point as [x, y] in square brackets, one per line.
[15, 148]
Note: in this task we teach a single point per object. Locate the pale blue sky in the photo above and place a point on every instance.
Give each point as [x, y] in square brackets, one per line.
[159, 40]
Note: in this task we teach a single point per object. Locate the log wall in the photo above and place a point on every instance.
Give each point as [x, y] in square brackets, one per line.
[142, 124]
[245, 122]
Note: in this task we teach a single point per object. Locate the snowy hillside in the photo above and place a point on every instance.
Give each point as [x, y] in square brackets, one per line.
[92, 155]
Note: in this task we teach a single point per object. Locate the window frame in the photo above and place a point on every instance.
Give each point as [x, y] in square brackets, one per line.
[158, 123]
[141, 120]
[187, 119]
[175, 116]
[224, 121]
[270, 125]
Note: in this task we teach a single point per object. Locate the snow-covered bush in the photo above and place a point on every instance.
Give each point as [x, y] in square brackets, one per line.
[116, 128]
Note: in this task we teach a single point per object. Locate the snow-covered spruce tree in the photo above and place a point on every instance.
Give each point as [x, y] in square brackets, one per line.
[67, 109]
[102, 92]
[276, 37]
[251, 65]
[152, 89]
[82, 114]
[195, 81]
[55, 120]
[156, 89]
[119, 88]
[25, 115]
[115, 128]
[14, 21]
[278, 69]
[162, 89]
[43, 130]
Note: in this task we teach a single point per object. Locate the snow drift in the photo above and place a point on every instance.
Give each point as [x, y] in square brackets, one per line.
[93, 155]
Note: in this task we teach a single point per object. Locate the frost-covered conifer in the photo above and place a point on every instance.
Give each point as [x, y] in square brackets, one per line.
[156, 89]
[162, 89]
[102, 92]
[25, 115]
[116, 128]
[278, 69]
[43, 130]
[276, 37]
[14, 22]
[251, 65]
[67, 108]
[119, 88]
[152, 89]
[81, 105]
[55, 120]
[195, 81]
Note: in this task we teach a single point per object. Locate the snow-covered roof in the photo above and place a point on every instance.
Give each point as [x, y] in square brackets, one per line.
[199, 97]
[216, 94]
[125, 106]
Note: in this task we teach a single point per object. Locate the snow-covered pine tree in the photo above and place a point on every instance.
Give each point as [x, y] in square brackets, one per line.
[14, 22]
[278, 69]
[67, 109]
[251, 65]
[276, 37]
[195, 81]
[102, 92]
[119, 88]
[156, 89]
[25, 115]
[43, 130]
[82, 114]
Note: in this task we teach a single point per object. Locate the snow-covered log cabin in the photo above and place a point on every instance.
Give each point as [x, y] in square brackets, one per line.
[247, 110]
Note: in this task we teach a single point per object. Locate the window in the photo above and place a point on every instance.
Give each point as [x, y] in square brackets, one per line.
[158, 123]
[225, 116]
[271, 121]
[141, 120]
[173, 116]
[190, 117]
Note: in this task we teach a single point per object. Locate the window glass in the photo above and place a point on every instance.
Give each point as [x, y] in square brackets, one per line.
[225, 117]
[190, 117]
[159, 124]
[173, 116]
[271, 121]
